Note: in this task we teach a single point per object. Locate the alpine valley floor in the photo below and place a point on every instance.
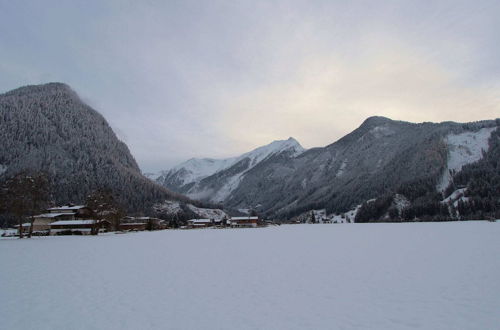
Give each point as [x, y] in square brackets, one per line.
[346, 276]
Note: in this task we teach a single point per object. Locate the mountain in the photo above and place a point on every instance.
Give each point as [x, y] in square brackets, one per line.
[215, 179]
[382, 157]
[48, 128]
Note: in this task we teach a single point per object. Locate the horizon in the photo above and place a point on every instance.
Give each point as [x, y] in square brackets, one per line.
[195, 78]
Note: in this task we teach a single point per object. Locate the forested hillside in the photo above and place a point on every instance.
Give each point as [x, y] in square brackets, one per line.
[47, 128]
[473, 193]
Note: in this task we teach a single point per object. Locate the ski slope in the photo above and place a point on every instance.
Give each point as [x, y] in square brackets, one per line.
[327, 276]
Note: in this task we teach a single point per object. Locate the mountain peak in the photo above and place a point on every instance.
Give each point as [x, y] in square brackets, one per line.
[281, 145]
[52, 87]
[376, 120]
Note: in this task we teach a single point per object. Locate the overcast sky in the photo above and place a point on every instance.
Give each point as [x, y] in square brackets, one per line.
[182, 79]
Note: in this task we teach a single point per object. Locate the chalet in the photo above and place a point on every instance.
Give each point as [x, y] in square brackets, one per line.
[203, 223]
[244, 221]
[78, 211]
[42, 222]
[82, 227]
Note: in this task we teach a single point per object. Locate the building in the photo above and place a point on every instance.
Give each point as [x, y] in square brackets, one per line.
[203, 223]
[142, 223]
[132, 226]
[82, 227]
[78, 211]
[41, 222]
[244, 221]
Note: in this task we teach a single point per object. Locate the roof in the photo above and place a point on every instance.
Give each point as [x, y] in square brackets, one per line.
[245, 218]
[51, 215]
[67, 207]
[200, 220]
[73, 222]
[26, 224]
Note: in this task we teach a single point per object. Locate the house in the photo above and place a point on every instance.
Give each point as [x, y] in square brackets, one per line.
[244, 221]
[142, 223]
[199, 223]
[41, 222]
[82, 227]
[203, 223]
[78, 211]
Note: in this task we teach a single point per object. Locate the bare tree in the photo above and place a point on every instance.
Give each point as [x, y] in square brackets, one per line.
[24, 195]
[105, 207]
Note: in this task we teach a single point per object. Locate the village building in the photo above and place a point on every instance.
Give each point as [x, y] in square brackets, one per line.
[203, 223]
[78, 211]
[82, 226]
[41, 222]
[244, 221]
[142, 223]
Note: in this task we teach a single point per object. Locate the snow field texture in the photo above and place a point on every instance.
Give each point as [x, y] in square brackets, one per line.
[350, 276]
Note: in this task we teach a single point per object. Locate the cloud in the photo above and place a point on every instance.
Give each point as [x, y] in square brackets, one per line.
[329, 95]
[214, 79]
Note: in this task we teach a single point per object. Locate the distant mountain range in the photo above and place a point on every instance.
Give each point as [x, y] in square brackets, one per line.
[48, 128]
[216, 179]
[383, 170]
[380, 157]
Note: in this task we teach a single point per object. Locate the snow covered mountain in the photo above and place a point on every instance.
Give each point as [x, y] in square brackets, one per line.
[215, 179]
[48, 128]
[382, 156]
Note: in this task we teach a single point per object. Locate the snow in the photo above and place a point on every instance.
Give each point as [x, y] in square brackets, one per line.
[216, 214]
[381, 131]
[464, 148]
[457, 195]
[169, 207]
[246, 211]
[73, 222]
[25, 224]
[196, 169]
[200, 221]
[227, 188]
[9, 232]
[361, 276]
[400, 202]
[51, 215]
[67, 207]
[341, 169]
[347, 217]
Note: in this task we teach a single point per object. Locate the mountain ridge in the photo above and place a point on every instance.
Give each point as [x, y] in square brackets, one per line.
[49, 128]
[379, 156]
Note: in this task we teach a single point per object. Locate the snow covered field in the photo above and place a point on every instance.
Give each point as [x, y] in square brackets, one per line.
[350, 276]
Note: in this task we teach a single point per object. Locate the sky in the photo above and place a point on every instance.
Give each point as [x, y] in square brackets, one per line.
[183, 79]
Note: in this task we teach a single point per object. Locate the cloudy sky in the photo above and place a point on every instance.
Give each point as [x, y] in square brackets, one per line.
[182, 79]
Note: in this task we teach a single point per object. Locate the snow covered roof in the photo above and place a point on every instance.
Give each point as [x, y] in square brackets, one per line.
[200, 220]
[67, 207]
[244, 218]
[73, 222]
[51, 215]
